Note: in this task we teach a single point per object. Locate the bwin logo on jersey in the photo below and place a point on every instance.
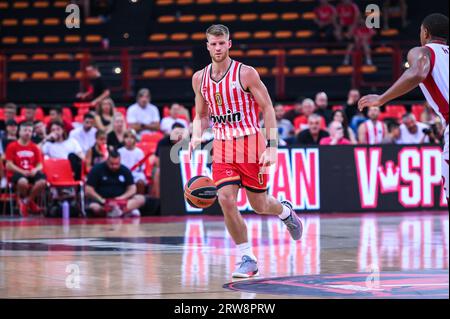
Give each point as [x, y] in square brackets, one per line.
[229, 117]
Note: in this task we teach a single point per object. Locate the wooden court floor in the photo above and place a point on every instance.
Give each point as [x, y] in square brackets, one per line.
[383, 255]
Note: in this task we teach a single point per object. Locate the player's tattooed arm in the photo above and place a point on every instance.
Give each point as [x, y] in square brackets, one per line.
[201, 120]
[420, 64]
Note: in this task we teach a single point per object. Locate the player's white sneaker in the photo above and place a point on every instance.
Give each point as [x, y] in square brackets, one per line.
[247, 268]
[293, 223]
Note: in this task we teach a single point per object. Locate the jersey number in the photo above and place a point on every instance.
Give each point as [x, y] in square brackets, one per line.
[219, 99]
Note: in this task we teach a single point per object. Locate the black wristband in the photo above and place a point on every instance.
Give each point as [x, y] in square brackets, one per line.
[272, 143]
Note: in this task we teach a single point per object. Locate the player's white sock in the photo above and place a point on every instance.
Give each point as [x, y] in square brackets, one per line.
[285, 213]
[246, 249]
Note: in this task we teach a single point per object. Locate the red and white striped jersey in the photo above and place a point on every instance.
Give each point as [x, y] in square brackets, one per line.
[233, 111]
[374, 133]
[435, 86]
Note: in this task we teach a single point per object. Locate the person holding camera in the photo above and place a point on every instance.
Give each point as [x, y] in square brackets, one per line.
[412, 131]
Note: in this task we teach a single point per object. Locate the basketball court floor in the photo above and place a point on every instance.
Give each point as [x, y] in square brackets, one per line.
[383, 255]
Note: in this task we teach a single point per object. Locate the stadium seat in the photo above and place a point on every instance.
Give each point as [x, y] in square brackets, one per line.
[227, 17]
[248, 17]
[337, 108]
[255, 52]
[303, 34]
[241, 35]
[319, 51]
[18, 57]
[10, 22]
[368, 69]
[4, 5]
[30, 22]
[245, 1]
[262, 70]
[275, 52]
[39, 114]
[179, 36]
[184, 2]
[30, 40]
[67, 114]
[187, 18]
[40, 57]
[9, 40]
[173, 73]
[61, 75]
[207, 18]
[41, 4]
[171, 54]
[82, 55]
[323, 70]
[198, 36]
[383, 49]
[417, 110]
[166, 19]
[236, 53]
[158, 37]
[62, 56]
[344, 69]
[78, 75]
[51, 21]
[224, 1]
[51, 39]
[290, 16]
[72, 38]
[18, 76]
[204, 1]
[188, 72]
[20, 5]
[40, 75]
[93, 21]
[301, 70]
[309, 16]
[297, 52]
[187, 54]
[275, 70]
[151, 137]
[93, 38]
[60, 4]
[269, 16]
[150, 55]
[152, 73]
[395, 111]
[389, 32]
[284, 34]
[164, 2]
[262, 34]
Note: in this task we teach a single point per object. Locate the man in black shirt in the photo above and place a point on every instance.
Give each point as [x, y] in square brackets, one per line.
[313, 134]
[110, 189]
[322, 107]
[10, 111]
[97, 90]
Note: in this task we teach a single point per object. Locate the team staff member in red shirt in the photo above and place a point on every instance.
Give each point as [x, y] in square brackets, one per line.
[326, 20]
[24, 168]
[348, 16]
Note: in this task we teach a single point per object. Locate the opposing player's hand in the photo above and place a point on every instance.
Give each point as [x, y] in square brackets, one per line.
[370, 100]
[269, 157]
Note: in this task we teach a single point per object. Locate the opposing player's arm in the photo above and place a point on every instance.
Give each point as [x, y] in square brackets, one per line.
[201, 121]
[252, 82]
[420, 64]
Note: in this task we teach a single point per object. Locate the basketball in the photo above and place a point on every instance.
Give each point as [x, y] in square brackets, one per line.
[200, 192]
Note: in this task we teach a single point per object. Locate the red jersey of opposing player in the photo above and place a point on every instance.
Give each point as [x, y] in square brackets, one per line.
[238, 142]
[26, 157]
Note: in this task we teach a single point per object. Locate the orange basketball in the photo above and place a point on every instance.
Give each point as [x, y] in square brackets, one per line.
[200, 192]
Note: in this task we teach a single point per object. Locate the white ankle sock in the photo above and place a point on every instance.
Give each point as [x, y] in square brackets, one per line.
[285, 213]
[246, 249]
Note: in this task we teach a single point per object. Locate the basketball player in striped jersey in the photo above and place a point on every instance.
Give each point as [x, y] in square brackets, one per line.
[429, 70]
[230, 95]
[372, 131]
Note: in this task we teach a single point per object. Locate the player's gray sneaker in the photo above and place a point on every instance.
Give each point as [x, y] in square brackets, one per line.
[293, 223]
[247, 268]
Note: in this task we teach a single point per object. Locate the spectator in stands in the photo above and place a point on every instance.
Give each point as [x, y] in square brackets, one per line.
[301, 122]
[97, 91]
[413, 132]
[110, 189]
[30, 113]
[351, 107]
[428, 115]
[24, 165]
[321, 102]
[55, 115]
[2, 168]
[372, 131]
[362, 39]
[39, 133]
[10, 111]
[348, 17]
[179, 134]
[11, 133]
[115, 138]
[393, 134]
[143, 117]
[97, 153]
[131, 156]
[174, 117]
[394, 9]
[296, 111]
[104, 115]
[336, 131]
[313, 134]
[285, 128]
[326, 20]
[57, 145]
[85, 134]
[339, 116]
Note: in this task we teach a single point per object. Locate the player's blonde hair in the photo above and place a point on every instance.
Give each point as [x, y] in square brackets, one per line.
[218, 30]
